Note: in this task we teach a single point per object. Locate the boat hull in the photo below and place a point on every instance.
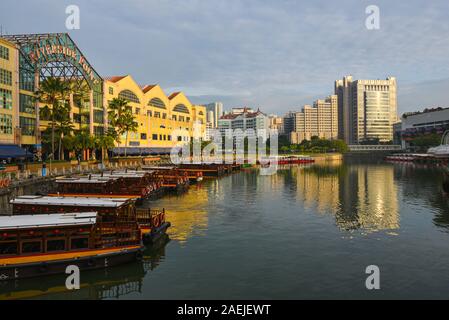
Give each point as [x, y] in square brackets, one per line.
[153, 236]
[53, 267]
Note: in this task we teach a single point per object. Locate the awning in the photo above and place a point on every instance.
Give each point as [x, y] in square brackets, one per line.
[137, 151]
[13, 151]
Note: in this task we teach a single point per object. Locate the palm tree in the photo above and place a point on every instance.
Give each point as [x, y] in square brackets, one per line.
[122, 119]
[83, 141]
[117, 108]
[51, 92]
[129, 124]
[104, 142]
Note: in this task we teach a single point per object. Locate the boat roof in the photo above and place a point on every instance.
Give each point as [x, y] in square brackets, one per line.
[133, 174]
[47, 220]
[71, 201]
[154, 168]
[98, 180]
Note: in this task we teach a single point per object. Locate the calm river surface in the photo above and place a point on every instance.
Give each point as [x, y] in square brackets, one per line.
[305, 232]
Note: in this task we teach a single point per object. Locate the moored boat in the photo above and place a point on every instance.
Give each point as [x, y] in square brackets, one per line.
[151, 222]
[281, 160]
[45, 244]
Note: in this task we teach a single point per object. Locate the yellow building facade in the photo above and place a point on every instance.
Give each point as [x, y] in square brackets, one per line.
[9, 95]
[163, 121]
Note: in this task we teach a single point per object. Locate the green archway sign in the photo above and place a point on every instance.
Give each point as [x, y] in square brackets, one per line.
[55, 54]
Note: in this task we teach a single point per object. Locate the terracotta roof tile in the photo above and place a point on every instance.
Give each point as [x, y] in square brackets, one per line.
[114, 78]
[174, 94]
[148, 87]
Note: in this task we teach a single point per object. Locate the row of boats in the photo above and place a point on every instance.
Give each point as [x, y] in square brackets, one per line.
[92, 221]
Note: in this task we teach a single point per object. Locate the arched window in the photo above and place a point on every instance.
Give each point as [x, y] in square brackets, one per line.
[128, 95]
[181, 108]
[201, 113]
[157, 103]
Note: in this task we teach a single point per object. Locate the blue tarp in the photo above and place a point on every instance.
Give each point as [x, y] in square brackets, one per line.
[13, 151]
[136, 151]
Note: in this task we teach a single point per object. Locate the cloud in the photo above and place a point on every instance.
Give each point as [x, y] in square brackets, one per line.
[272, 54]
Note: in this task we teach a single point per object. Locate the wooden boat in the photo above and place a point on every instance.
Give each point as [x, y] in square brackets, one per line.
[143, 183]
[401, 157]
[123, 184]
[151, 222]
[172, 171]
[281, 160]
[207, 170]
[44, 244]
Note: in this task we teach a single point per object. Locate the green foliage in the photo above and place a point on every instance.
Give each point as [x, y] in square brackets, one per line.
[426, 140]
[122, 118]
[315, 145]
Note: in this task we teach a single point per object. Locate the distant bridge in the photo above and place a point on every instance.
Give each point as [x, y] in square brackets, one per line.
[380, 147]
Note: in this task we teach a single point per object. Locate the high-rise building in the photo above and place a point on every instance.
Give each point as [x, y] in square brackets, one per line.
[319, 120]
[288, 125]
[217, 111]
[367, 109]
[275, 123]
[256, 122]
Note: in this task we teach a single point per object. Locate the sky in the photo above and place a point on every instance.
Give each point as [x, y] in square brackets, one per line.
[274, 55]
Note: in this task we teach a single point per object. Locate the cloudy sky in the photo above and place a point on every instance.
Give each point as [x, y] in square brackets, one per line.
[276, 55]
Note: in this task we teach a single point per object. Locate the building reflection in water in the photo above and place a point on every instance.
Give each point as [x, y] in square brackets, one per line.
[110, 283]
[359, 196]
[187, 212]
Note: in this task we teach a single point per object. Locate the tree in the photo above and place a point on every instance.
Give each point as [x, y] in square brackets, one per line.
[83, 141]
[104, 142]
[122, 119]
[51, 92]
[129, 124]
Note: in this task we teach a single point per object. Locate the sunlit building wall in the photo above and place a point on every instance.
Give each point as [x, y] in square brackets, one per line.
[163, 121]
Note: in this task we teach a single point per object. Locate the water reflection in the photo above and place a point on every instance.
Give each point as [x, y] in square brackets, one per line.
[359, 196]
[187, 212]
[112, 283]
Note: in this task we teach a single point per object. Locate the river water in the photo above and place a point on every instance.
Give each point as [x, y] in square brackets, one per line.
[306, 232]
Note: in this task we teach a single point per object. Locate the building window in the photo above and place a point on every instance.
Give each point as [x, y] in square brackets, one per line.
[27, 126]
[169, 137]
[98, 116]
[188, 119]
[5, 77]
[149, 113]
[181, 118]
[128, 95]
[154, 136]
[5, 124]
[137, 111]
[174, 117]
[5, 99]
[164, 116]
[26, 104]
[4, 53]
[98, 131]
[181, 108]
[157, 114]
[143, 136]
[111, 90]
[160, 137]
[157, 103]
